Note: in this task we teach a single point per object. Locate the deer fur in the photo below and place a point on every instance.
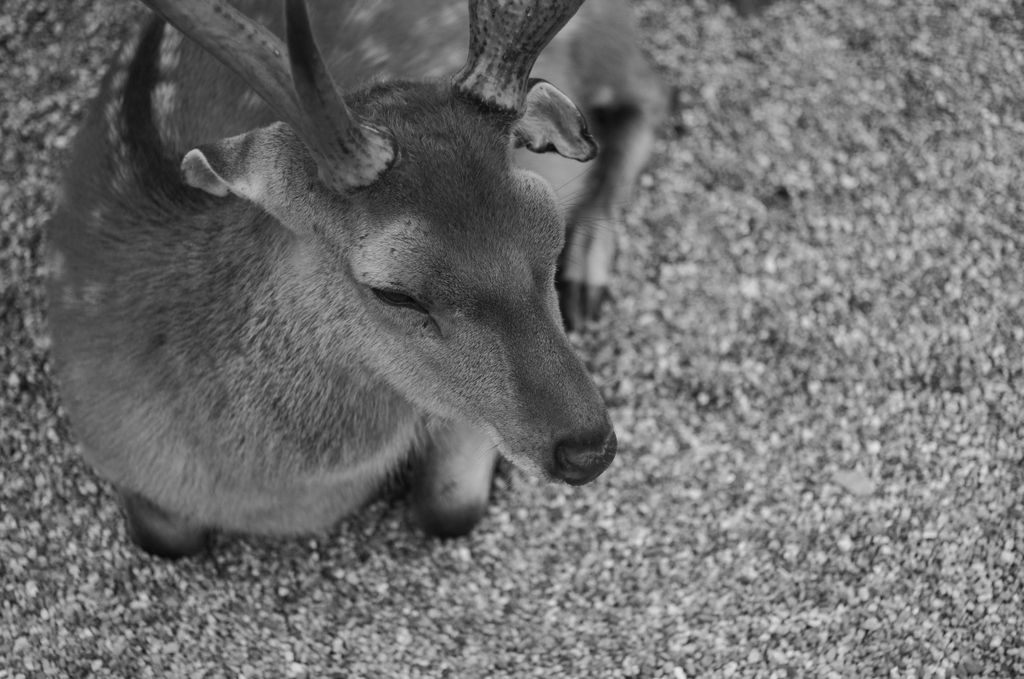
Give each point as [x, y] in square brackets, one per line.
[253, 329]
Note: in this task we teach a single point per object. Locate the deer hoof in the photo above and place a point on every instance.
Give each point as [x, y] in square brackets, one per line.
[447, 521]
[162, 533]
[580, 303]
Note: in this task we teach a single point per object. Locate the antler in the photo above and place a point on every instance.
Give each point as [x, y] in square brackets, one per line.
[349, 151]
[505, 38]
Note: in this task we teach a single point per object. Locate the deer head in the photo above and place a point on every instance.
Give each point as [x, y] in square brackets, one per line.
[416, 252]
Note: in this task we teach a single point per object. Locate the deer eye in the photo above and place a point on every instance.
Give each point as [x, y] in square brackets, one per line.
[398, 299]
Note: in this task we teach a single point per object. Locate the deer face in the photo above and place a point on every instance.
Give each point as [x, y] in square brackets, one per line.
[456, 268]
[443, 273]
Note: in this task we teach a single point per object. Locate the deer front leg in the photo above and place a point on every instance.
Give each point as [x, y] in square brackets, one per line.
[625, 136]
[451, 479]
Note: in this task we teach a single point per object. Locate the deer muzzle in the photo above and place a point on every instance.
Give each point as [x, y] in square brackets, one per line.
[560, 403]
[580, 460]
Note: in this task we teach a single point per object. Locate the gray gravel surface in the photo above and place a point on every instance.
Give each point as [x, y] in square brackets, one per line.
[814, 360]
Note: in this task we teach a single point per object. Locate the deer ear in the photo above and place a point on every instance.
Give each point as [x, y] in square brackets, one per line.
[268, 166]
[197, 171]
[553, 123]
[242, 165]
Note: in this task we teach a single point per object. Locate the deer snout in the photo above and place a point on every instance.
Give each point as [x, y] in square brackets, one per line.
[581, 459]
[560, 426]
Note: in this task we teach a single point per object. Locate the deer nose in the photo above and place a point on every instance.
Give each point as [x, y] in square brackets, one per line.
[580, 460]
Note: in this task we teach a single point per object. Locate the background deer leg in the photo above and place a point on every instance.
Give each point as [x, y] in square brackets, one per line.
[625, 136]
[451, 479]
[160, 532]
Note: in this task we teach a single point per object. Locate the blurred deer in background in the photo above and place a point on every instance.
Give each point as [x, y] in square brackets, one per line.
[265, 297]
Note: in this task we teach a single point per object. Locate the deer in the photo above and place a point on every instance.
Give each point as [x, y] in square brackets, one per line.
[267, 296]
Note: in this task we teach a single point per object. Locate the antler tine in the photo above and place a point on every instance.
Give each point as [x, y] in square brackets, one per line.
[349, 152]
[506, 36]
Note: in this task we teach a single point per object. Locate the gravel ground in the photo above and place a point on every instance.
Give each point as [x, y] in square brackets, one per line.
[814, 359]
